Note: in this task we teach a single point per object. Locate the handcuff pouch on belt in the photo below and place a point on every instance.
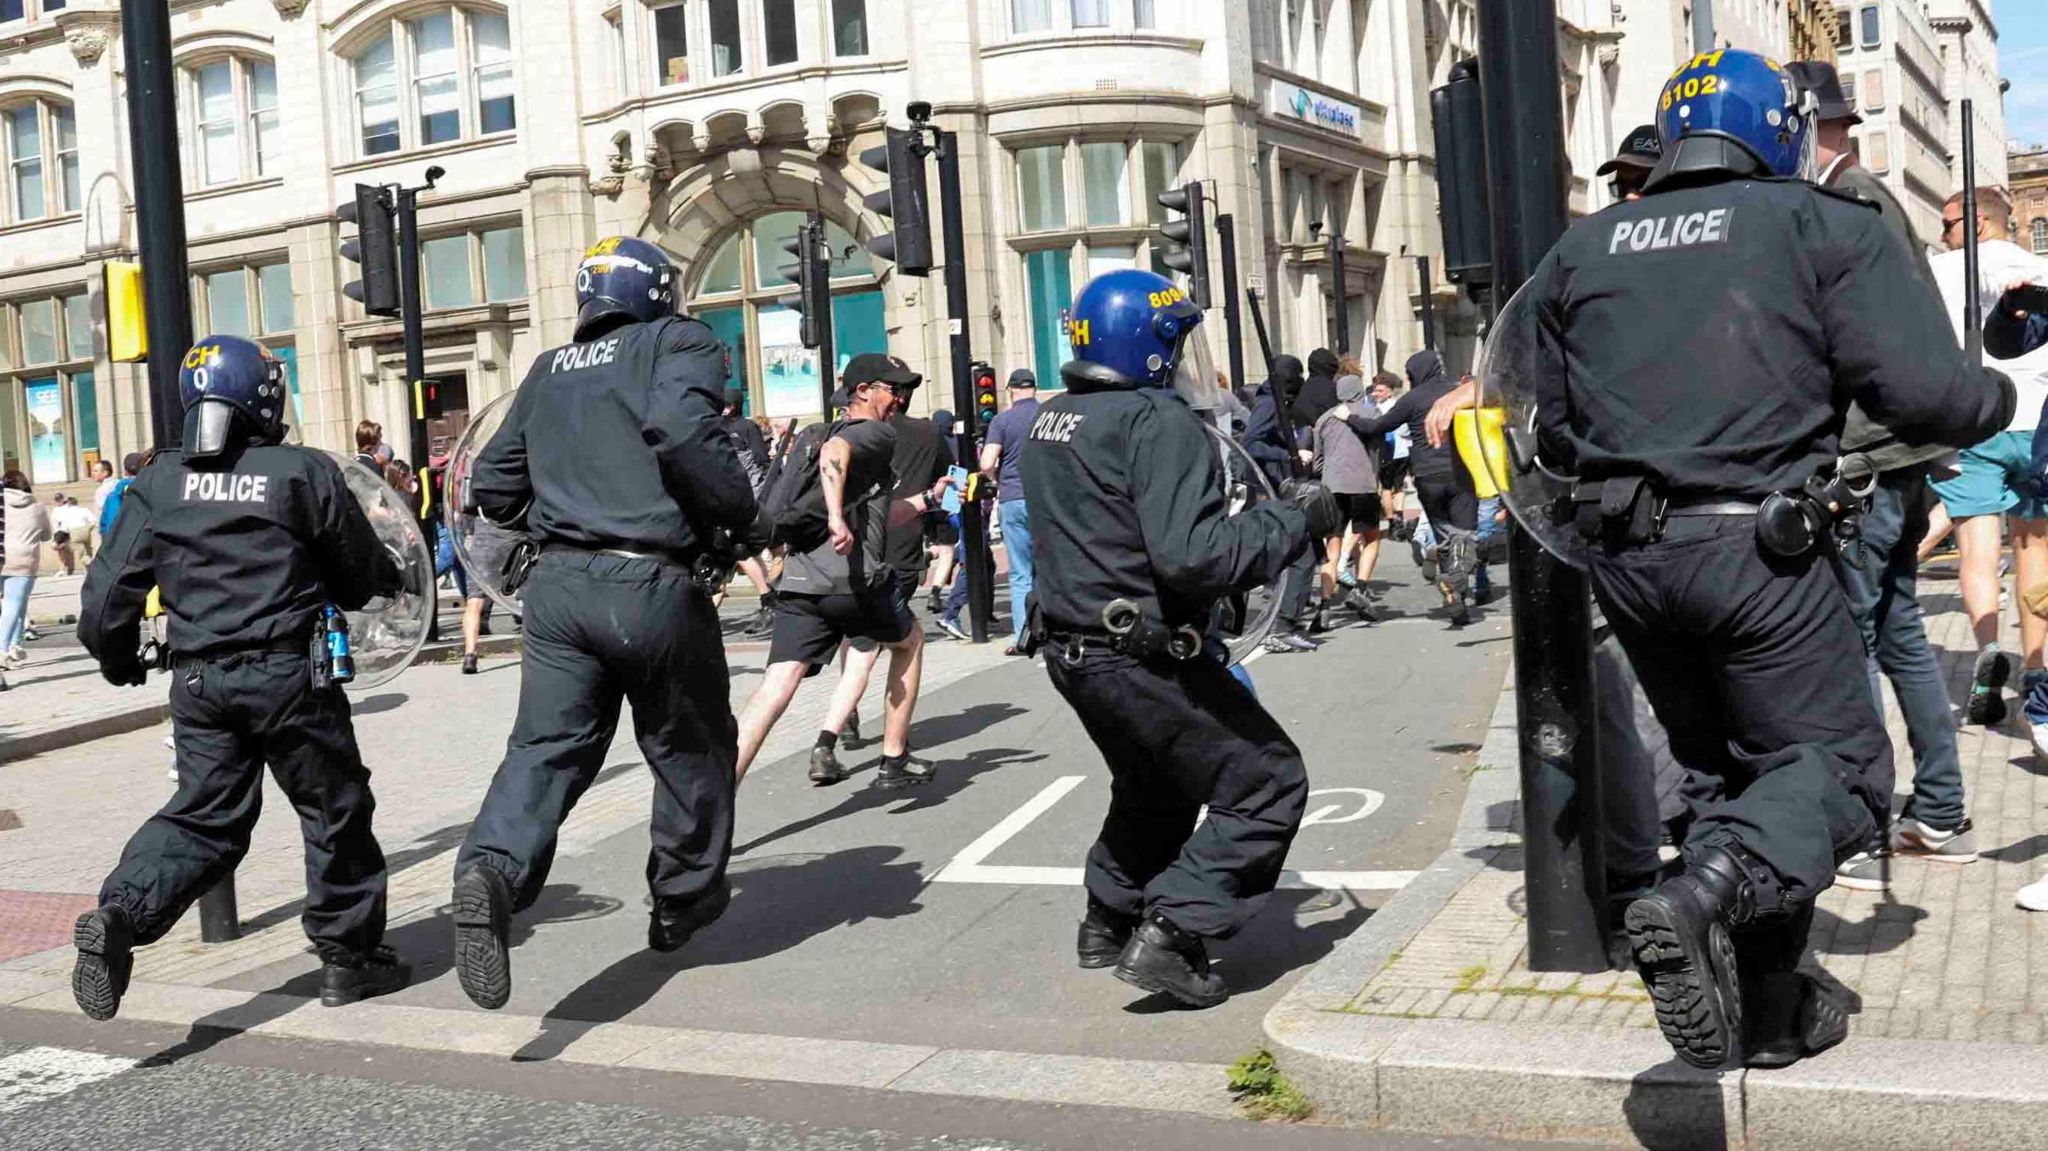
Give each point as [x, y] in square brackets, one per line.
[1133, 633]
[1793, 523]
[518, 566]
[1624, 510]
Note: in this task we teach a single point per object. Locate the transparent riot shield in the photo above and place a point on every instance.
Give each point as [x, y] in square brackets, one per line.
[388, 633]
[1246, 620]
[481, 547]
[1497, 442]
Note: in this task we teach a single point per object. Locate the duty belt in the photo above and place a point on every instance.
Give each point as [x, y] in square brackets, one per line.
[707, 570]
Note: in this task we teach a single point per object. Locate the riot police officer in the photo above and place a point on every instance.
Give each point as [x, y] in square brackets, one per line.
[1696, 351]
[614, 461]
[1135, 549]
[250, 540]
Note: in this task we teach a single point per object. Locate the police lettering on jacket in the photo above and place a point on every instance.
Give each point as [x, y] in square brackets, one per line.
[1656, 233]
[576, 357]
[225, 488]
[1056, 426]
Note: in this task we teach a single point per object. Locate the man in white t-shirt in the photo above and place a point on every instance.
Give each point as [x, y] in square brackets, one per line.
[1995, 478]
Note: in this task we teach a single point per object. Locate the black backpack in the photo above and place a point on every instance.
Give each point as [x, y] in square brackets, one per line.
[795, 502]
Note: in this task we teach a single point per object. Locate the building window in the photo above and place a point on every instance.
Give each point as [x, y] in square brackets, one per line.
[778, 18]
[52, 386]
[725, 37]
[1030, 16]
[230, 120]
[1877, 152]
[40, 147]
[1849, 90]
[1845, 31]
[1105, 188]
[1873, 90]
[465, 269]
[742, 297]
[672, 44]
[1042, 187]
[1870, 28]
[433, 79]
[2039, 230]
[1161, 164]
[1049, 288]
[850, 27]
[1091, 13]
[1143, 14]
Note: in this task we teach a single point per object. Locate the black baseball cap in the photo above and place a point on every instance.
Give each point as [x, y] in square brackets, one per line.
[1639, 149]
[876, 368]
[1819, 77]
[1023, 378]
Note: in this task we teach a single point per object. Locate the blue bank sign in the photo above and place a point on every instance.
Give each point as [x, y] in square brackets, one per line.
[1322, 111]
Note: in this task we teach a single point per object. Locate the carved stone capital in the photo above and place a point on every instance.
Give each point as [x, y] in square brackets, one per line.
[609, 187]
[88, 33]
[289, 9]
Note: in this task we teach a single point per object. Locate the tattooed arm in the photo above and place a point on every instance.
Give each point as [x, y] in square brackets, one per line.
[832, 464]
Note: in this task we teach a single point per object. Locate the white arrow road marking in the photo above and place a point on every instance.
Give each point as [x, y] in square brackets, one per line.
[967, 867]
[41, 1074]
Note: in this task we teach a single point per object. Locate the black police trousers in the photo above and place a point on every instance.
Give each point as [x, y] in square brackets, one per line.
[602, 630]
[230, 715]
[1452, 505]
[1754, 666]
[1178, 736]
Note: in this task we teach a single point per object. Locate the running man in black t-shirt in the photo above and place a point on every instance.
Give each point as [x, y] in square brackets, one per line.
[843, 589]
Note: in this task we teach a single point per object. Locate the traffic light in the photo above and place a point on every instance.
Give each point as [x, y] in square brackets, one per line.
[1189, 237]
[374, 247]
[1462, 194]
[984, 393]
[909, 247]
[811, 272]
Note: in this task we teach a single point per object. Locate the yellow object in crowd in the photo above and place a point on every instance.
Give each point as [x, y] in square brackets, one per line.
[1483, 445]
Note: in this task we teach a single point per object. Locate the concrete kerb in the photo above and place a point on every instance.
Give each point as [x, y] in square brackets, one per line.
[1547, 1083]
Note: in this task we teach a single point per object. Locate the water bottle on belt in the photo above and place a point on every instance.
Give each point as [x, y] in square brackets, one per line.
[341, 665]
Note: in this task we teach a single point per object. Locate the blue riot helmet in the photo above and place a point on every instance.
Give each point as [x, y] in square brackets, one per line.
[1731, 110]
[234, 393]
[1134, 329]
[623, 280]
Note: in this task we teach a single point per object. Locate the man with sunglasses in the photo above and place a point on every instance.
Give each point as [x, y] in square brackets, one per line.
[840, 589]
[1880, 578]
[1633, 161]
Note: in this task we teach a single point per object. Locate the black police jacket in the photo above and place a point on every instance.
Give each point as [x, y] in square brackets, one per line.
[1127, 502]
[1711, 336]
[248, 548]
[617, 442]
[1428, 382]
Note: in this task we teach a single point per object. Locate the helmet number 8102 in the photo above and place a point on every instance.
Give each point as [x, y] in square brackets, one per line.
[1693, 87]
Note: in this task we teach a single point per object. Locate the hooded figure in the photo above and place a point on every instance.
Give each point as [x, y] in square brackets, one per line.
[1442, 485]
[1264, 437]
[1344, 458]
[1319, 394]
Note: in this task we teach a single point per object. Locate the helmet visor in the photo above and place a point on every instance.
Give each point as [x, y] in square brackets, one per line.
[1194, 374]
[209, 424]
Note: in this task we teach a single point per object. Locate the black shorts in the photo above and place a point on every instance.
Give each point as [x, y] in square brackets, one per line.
[1361, 510]
[810, 628]
[939, 530]
[1393, 474]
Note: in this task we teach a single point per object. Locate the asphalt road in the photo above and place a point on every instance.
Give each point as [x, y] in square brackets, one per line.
[944, 915]
[69, 1086]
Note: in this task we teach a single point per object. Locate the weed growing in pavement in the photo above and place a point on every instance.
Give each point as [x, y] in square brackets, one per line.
[1264, 1093]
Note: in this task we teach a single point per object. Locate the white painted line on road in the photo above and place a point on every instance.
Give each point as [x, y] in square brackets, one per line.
[967, 867]
[41, 1074]
[970, 858]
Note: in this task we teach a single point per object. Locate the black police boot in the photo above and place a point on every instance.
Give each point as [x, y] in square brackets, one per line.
[826, 768]
[483, 919]
[903, 771]
[1165, 960]
[671, 924]
[346, 979]
[1103, 936]
[1679, 934]
[105, 940]
[1791, 1015]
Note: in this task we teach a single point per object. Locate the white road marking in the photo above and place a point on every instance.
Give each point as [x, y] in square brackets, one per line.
[1367, 799]
[41, 1074]
[967, 867]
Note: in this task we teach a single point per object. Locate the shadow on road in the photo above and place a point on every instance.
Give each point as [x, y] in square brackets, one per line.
[1273, 946]
[778, 903]
[952, 777]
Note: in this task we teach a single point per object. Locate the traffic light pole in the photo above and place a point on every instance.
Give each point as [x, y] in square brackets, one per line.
[973, 528]
[1340, 304]
[167, 289]
[1233, 307]
[1428, 304]
[1564, 872]
[827, 364]
[416, 360]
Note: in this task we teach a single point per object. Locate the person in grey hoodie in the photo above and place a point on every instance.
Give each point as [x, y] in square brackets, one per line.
[1345, 459]
[28, 528]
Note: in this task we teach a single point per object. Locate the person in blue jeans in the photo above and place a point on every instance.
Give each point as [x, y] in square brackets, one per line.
[1007, 435]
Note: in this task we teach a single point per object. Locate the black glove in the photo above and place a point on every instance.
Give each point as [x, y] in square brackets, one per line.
[125, 673]
[1316, 502]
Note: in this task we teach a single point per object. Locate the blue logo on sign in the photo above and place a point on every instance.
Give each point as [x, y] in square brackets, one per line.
[1302, 104]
